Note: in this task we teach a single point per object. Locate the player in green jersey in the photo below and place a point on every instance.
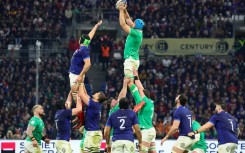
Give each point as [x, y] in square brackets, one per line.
[200, 145]
[113, 103]
[35, 131]
[133, 41]
[145, 114]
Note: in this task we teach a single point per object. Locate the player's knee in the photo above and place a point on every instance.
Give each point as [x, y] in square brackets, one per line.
[144, 149]
[74, 86]
[177, 150]
[152, 148]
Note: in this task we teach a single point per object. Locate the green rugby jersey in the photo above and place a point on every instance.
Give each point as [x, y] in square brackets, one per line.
[201, 143]
[132, 45]
[37, 133]
[145, 115]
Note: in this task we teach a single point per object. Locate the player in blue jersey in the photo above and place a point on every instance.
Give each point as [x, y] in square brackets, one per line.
[226, 126]
[62, 121]
[80, 64]
[183, 123]
[122, 121]
[93, 136]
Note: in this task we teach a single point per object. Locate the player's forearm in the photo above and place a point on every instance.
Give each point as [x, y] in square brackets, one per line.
[238, 131]
[139, 85]
[128, 19]
[138, 135]
[29, 131]
[92, 32]
[107, 136]
[122, 93]
[69, 97]
[121, 18]
[85, 69]
[203, 128]
[171, 131]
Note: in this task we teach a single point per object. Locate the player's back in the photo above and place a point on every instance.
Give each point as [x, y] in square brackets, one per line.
[145, 115]
[77, 62]
[201, 143]
[183, 114]
[122, 122]
[62, 122]
[133, 43]
[92, 116]
[226, 127]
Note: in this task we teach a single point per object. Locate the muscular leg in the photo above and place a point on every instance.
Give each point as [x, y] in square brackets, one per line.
[177, 150]
[152, 148]
[145, 147]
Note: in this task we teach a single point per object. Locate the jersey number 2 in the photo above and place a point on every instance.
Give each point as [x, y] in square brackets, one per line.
[122, 121]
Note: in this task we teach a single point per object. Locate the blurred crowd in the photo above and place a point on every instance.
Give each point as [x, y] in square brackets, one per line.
[181, 18]
[24, 21]
[204, 80]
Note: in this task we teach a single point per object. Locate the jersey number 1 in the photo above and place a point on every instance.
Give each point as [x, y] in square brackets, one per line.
[232, 126]
[189, 118]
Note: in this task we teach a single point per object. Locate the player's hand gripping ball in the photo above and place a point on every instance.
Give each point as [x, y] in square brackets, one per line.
[121, 1]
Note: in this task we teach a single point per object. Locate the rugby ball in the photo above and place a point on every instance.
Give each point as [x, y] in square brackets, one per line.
[121, 1]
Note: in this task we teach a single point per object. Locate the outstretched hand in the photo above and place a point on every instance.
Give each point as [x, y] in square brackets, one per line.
[126, 81]
[190, 134]
[99, 23]
[122, 6]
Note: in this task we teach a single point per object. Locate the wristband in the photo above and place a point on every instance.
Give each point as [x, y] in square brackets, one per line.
[33, 139]
[196, 132]
[136, 78]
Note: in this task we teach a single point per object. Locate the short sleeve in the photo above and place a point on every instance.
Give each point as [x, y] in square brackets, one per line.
[90, 103]
[176, 115]
[33, 122]
[213, 119]
[109, 122]
[132, 32]
[85, 53]
[135, 119]
[195, 126]
[67, 113]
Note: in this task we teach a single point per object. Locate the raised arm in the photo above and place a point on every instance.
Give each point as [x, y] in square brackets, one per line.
[78, 107]
[128, 19]
[82, 93]
[92, 32]
[138, 83]
[124, 89]
[122, 21]
[69, 100]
